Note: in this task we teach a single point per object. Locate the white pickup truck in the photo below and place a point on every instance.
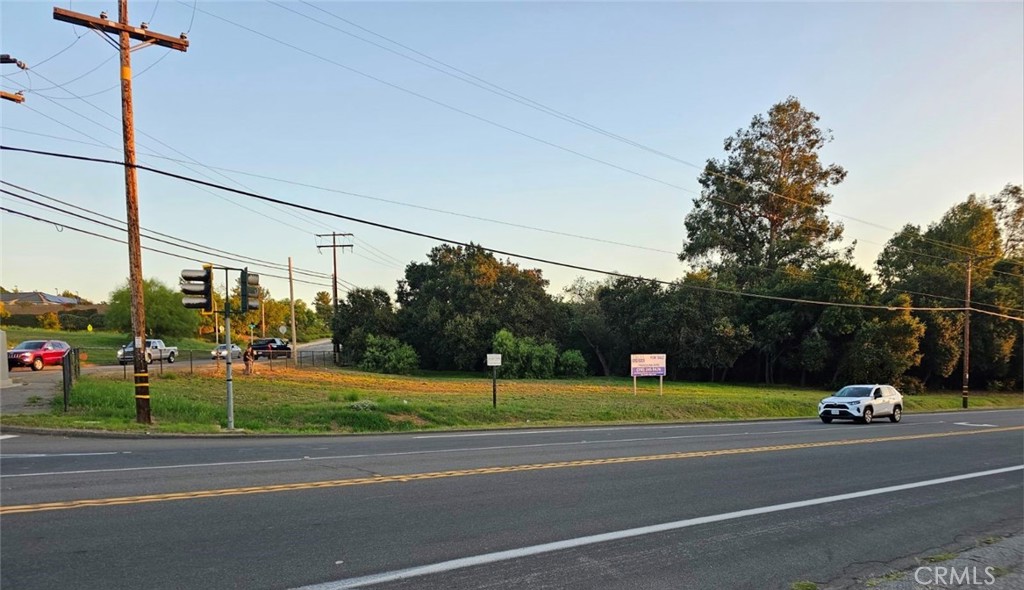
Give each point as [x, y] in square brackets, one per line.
[155, 350]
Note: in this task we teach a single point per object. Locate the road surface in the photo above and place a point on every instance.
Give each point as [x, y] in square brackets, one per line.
[739, 505]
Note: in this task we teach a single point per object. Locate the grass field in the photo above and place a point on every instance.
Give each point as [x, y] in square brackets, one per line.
[100, 346]
[320, 401]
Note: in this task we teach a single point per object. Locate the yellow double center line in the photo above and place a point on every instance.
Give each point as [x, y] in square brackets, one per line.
[338, 483]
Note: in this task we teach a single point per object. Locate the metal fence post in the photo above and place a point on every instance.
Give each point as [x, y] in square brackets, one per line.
[65, 366]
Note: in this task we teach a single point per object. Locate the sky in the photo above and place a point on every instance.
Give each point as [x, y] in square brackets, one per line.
[925, 102]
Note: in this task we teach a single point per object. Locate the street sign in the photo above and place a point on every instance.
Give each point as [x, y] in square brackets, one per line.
[494, 361]
[252, 326]
[282, 330]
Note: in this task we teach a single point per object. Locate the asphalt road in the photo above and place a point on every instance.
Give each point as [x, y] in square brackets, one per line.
[740, 505]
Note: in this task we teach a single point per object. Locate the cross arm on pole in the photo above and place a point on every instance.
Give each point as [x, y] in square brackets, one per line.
[108, 26]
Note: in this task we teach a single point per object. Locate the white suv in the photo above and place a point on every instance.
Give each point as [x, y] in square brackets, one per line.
[862, 403]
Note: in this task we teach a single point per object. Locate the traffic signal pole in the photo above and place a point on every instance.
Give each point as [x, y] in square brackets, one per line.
[227, 343]
[126, 33]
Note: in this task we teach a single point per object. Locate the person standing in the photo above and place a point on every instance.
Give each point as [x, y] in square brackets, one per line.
[249, 358]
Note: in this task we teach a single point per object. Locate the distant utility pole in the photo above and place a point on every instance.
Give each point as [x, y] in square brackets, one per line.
[125, 33]
[291, 295]
[334, 283]
[17, 97]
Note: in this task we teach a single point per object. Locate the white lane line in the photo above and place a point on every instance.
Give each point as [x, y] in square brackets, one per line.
[589, 429]
[670, 426]
[978, 425]
[6, 436]
[820, 430]
[46, 455]
[486, 558]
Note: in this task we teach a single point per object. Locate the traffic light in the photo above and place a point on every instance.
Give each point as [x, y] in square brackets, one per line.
[197, 285]
[250, 285]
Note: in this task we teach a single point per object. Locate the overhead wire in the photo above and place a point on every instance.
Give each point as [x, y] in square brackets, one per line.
[497, 221]
[189, 158]
[481, 83]
[147, 248]
[204, 248]
[494, 250]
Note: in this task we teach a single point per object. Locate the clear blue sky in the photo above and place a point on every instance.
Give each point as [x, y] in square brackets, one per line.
[925, 100]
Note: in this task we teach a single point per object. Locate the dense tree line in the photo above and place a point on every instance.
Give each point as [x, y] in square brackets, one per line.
[759, 246]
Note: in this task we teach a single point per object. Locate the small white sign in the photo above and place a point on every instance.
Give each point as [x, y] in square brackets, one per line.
[494, 360]
[282, 329]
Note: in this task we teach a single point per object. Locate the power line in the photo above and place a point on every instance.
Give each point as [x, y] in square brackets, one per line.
[307, 218]
[474, 217]
[147, 248]
[470, 245]
[508, 94]
[446, 105]
[204, 248]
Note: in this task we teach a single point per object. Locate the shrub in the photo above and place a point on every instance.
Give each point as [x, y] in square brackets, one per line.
[48, 321]
[71, 321]
[98, 321]
[363, 405]
[572, 364]
[385, 354]
[524, 357]
[908, 385]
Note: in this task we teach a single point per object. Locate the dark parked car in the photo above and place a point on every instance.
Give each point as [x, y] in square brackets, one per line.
[271, 348]
[37, 353]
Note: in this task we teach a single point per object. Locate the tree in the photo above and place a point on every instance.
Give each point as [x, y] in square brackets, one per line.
[452, 305]
[586, 318]
[762, 207]
[931, 267]
[1008, 206]
[705, 331]
[324, 306]
[364, 312]
[165, 315]
[885, 347]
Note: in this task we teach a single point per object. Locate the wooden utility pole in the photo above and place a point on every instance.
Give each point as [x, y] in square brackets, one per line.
[291, 295]
[126, 33]
[12, 96]
[964, 394]
[334, 284]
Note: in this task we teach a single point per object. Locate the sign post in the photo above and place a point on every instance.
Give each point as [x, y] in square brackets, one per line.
[494, 361]
[648, 365]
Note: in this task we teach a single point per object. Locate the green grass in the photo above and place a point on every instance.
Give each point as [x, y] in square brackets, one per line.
[289, 400]
[803, 585]
[100, 347]
[938, 558]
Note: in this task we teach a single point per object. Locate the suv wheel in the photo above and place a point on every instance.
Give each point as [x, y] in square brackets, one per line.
[37, 364]
[170, 358]
[897, 414]
[869, 414]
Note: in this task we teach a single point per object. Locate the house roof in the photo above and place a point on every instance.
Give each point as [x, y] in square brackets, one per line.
[37, 297]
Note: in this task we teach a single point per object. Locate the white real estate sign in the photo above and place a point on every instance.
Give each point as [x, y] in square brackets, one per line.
[494, 360]
[648, 365]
